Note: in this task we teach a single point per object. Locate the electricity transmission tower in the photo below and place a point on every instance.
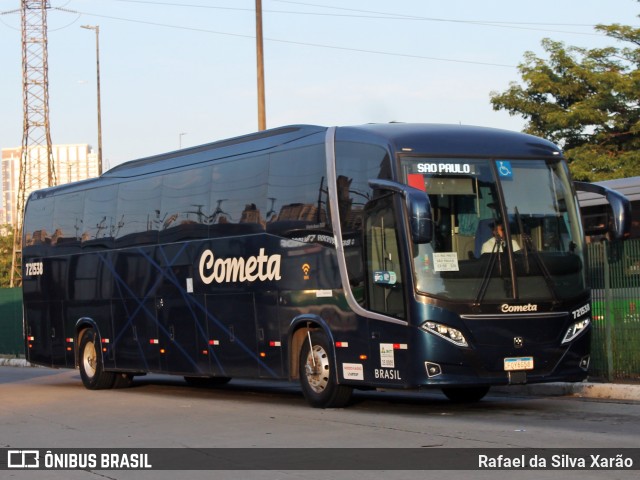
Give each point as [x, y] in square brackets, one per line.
[36, 165]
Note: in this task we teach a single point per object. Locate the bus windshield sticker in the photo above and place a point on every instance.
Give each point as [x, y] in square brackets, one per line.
[504, 169]
[324, 293]
[385, 277]
[416, 180]
[445, 262]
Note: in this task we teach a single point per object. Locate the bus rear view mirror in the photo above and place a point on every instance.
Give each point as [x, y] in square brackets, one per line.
[620, 207]
[418, 208]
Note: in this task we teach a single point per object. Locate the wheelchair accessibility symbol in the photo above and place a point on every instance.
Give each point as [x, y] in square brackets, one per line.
[504, 169]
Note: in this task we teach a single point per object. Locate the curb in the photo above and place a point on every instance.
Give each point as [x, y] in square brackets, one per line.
[14, 362]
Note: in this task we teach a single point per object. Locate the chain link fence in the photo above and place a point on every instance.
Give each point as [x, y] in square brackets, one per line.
[11, 340]
[614, 276]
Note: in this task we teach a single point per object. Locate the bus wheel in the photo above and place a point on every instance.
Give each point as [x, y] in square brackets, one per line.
[91, 369]
[465, 394]
[317, 375]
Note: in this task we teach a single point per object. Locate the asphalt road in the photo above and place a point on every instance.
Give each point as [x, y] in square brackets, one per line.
[44, 408]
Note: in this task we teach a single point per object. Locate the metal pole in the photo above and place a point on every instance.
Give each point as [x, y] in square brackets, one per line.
[99, 109]
[96, 28]
[608, 317]
[262, 122]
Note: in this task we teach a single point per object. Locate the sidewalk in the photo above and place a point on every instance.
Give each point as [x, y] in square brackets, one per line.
[603, 391]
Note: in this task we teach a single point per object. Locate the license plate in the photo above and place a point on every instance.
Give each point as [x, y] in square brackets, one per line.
[518, 363]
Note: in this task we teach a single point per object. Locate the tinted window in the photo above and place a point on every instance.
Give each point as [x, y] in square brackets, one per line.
[238, 196]
[100, 222]
[186, 208]
[356, 164]
[38, 226]
[68, 220]
[297, 191]
[138, 214]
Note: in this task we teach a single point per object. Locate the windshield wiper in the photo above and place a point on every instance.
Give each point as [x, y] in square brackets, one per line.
[527, 244]
[524, 237]
[486, 277]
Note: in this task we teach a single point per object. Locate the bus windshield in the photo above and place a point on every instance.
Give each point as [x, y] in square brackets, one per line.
[503, 229]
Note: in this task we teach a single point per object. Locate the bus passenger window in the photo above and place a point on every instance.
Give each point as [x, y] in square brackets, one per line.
[185, 204]
[100, 224]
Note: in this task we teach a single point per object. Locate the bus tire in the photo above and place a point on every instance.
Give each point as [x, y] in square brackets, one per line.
[317, 374]
[465, 394]
[90, 359]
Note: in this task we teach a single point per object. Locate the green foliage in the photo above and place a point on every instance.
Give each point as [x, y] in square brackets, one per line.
[6, 253]
[585, 100]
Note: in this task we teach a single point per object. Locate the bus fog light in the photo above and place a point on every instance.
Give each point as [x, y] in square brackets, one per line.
[584, 362]
[433, 369]
[576, 329]
[451, 334]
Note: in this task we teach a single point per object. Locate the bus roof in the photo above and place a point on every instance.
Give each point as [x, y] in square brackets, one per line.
[452, 140]
[629, 187]
[428, 139]
[254, 142]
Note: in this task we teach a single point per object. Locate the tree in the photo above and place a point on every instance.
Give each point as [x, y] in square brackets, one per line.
[6, 253]
[585, 100]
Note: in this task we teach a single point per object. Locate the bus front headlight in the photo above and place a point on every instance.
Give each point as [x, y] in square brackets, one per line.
[576, 329]
[448, 333]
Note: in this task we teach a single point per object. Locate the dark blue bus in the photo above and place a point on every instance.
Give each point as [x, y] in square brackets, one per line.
[379, 256]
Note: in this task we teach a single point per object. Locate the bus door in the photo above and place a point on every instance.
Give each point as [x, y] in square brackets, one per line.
[182, 329]
[231, 322]
[136, 342]
[46, 340]
[269, 336]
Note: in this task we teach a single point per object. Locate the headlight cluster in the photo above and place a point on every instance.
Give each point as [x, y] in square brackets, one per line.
[451, 334]
[576, 329]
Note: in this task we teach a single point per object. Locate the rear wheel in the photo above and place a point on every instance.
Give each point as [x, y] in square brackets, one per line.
[465, 394]
[318, 376]
[91, 369]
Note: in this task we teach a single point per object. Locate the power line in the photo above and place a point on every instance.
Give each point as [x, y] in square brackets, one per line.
[289, 42]
[387, 16]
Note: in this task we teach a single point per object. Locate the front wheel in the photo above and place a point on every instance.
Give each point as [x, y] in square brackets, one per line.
[91, 369]
[465, 394]
[318, 374]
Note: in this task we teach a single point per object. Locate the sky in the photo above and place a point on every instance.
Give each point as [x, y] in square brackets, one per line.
[183, 72]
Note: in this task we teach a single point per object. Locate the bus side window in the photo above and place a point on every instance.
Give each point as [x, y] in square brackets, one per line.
[139, 217]
[238, 197]
[185, 204]
[68, 221]
[297, 193]
[100, 223]
[38, 227]
[384, 266]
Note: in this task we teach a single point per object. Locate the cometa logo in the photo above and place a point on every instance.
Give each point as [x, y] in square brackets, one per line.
[225, 270]
[530, 307]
